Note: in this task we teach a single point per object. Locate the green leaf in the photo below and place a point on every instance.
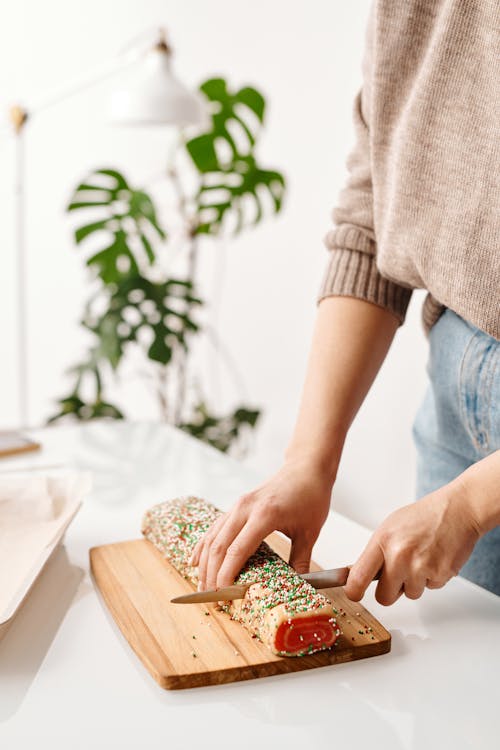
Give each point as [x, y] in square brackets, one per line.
[87, 186]
[167, 324]
[83, 204]
[141, 208]
[125, 214]
[254, 100]
[251, 179]
[246, 416]
[219, 431]
[110, 345]
[159, 351]
[69, 405]
[239, 176]
[87, 229]
[120, 181]
[73, 406]
[202, 152]
[106, 260]
[202, 148]
[103, 409]
[147, 247]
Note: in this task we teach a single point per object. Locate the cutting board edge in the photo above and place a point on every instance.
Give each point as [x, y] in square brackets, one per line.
[158, 675]
[167, 679]
[272, 668]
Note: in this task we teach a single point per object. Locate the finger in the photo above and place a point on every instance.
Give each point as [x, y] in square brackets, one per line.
[300, 554]
[238, 552]
[218, 547]
[414, 587]
[364, 570]
[195, 555]
[203, 561]
[435, 584]
[202, 567]
[390, 585]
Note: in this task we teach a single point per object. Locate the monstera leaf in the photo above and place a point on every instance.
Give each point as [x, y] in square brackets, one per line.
[136, 304]
[74, 406]
[128, 216]
[224, 157]
[244, 179]
[95, 407]
[228, 110]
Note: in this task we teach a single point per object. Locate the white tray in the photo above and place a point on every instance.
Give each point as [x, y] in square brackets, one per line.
[40, 556]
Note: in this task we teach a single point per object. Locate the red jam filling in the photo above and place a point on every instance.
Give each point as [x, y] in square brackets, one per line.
[302, 632]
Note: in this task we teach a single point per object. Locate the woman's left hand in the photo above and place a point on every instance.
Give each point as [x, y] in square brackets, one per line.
[420, 545]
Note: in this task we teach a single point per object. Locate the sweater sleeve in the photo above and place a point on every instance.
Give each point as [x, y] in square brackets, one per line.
[351, 269]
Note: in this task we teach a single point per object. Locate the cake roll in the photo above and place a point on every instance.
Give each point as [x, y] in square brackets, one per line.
[279, 608]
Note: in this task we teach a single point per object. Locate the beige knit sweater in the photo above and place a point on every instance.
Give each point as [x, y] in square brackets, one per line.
[421, 205]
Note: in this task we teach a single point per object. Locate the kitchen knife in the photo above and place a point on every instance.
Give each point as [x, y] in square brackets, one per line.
[320, 579]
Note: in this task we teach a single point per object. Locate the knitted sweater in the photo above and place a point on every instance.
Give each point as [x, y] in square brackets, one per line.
[421, 205]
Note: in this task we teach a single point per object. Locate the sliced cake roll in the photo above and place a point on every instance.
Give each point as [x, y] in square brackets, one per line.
[281, 609]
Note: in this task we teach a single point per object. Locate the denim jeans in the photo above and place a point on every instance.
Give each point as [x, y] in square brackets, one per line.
[458, 422]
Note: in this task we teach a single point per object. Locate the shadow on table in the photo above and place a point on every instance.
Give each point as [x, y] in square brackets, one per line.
[28, 639]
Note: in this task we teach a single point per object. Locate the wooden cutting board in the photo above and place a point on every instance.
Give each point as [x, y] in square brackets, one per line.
[192, 645]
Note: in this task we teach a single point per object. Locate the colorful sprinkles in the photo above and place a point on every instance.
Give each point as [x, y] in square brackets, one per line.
[175, 526]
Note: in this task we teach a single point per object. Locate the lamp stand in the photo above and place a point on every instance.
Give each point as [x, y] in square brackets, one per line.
[18, 117]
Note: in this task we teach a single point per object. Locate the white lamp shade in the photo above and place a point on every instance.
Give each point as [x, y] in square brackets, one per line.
[152, 95]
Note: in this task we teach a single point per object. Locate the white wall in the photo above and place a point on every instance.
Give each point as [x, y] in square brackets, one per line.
[306, 58]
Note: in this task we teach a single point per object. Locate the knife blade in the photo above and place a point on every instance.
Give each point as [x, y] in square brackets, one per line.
[320, 579]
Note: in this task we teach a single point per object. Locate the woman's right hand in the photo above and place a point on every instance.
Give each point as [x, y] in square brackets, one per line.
[294, 501]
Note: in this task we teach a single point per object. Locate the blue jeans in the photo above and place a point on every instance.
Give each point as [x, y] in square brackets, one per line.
[458, 422]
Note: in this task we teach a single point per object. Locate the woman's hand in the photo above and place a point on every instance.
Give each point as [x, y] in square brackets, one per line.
[420, 545]
[295, 501]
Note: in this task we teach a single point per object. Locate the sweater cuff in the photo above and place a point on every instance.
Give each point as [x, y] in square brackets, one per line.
[350, 273]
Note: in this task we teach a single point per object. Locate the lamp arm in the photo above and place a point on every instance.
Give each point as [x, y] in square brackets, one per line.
[19, 114]
[124, 59]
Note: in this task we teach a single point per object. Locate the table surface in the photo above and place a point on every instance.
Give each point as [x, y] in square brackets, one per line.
[69, 680]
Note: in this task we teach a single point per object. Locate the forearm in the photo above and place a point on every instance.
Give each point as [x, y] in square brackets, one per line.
[480, 484]
[350, 340]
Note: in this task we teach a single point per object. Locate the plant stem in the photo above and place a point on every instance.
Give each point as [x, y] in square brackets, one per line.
[182, 353]
[162, 393]
[176, 184]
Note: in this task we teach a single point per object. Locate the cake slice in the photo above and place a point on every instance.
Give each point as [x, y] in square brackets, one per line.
[281, 609]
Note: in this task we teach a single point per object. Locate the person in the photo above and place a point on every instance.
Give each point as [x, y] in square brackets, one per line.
[420, 209]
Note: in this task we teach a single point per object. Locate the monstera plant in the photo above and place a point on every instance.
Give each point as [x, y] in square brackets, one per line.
[134, 304]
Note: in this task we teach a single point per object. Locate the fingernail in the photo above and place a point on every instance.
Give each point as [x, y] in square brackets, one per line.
[200, 588]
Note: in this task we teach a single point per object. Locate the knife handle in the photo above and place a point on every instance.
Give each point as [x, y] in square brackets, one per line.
[330, 578]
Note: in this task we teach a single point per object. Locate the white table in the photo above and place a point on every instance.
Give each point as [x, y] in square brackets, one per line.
[68, 679]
